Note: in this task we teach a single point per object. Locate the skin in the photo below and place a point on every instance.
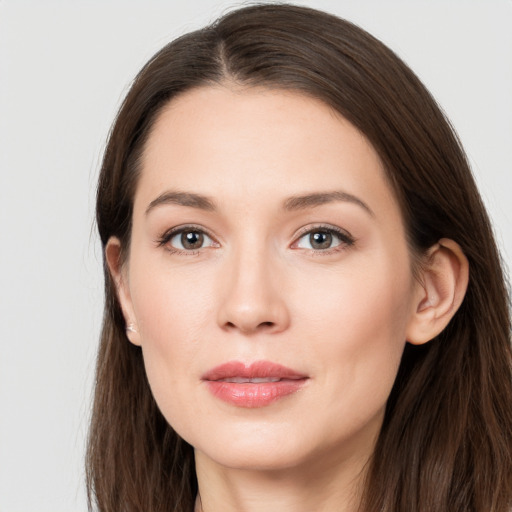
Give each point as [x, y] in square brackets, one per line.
[258, 290]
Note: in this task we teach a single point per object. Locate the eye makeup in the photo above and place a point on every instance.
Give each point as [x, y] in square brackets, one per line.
[321, 239]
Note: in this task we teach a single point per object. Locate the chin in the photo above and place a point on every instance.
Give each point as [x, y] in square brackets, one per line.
[275, 446]
[253, 458]
[251, 447]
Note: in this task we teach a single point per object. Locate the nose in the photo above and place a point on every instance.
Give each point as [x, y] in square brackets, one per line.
[252, 296]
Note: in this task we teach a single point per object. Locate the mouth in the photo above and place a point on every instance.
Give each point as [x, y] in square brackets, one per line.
[256, 380]
[256, 385]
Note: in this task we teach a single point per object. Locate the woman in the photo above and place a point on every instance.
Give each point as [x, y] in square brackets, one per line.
[305, 308]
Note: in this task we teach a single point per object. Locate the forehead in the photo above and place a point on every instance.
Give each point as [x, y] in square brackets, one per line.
[234, 143]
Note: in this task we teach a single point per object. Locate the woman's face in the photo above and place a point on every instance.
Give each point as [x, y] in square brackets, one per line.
[264, 231]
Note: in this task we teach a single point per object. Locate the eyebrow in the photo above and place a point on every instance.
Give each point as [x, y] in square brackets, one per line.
[321, 198]
[293, 203]
[183, 199]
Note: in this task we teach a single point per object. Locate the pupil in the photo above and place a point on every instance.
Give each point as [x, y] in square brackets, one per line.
[192, 240]
[320, 240]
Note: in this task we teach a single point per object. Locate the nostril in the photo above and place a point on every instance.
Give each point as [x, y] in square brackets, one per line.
[248, 328]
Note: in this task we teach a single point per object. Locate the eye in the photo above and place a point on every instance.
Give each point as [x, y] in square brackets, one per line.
[323, 239]
[186, 239]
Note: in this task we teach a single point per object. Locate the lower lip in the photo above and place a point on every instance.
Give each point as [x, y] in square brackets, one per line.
[251, 395]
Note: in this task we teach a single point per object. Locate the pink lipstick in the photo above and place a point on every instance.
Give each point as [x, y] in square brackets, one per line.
[256, 385]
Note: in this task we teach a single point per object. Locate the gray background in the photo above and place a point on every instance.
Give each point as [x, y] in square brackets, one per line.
[64, 67]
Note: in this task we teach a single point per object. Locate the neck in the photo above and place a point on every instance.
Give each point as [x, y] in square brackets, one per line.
[331, 487]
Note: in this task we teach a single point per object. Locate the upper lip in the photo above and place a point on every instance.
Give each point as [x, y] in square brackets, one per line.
[258, 369]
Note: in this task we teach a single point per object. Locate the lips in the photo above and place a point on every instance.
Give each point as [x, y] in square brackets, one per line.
[243, 380]
[256, 385]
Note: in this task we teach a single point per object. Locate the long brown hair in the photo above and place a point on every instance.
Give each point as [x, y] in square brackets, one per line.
[445, 444]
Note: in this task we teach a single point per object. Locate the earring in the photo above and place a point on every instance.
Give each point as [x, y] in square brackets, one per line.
[131, 328]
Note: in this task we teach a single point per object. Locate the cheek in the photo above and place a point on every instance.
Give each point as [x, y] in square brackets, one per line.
[372, 296]
[172, 311]
[358, 320]
[171, 303]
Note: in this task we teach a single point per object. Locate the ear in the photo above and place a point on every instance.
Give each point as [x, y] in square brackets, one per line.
[118, 273]
[440, 291]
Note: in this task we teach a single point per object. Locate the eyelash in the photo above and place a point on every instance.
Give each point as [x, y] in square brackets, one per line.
[163, 241]
[346, 240]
